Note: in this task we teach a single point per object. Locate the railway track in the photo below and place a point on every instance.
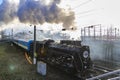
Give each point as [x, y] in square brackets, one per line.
[102, 69]
[107, 76]
[4, 41]
[104, 73]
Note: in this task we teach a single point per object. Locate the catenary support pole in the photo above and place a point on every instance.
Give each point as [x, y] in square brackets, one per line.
[34, 49]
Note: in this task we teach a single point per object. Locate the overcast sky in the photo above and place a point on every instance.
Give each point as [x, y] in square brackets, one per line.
[90, 12]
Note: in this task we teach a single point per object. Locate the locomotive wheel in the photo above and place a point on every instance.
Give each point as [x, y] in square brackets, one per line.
[28, 58]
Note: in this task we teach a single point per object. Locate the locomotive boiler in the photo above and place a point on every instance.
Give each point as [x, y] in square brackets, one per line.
[67, 55]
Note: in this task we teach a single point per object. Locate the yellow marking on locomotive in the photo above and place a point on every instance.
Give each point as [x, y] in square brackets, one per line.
[43, 51]
[35, 54]
[28, 58]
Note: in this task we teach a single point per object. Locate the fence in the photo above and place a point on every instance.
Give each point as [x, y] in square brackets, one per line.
[104, 43]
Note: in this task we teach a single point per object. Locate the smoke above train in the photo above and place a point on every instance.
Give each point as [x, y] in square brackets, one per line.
[36, 12]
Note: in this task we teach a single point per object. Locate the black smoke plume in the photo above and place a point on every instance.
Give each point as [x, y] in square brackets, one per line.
[7, 11]
[36, 12]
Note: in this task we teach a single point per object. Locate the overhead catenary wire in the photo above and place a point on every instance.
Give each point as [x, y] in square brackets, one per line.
[82, 4]
[90, 14]
[87, 11]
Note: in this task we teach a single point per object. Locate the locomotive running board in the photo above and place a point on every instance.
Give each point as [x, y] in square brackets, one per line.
[27, 58]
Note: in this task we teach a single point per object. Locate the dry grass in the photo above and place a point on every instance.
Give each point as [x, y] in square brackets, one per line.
[13, 66]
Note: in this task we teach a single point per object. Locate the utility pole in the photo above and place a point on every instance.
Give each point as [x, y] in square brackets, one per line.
[12, 35]
[81, 34]
[115, 33]
[84, 31]
[100, 32]
[89, 32]
[34, 49]
[94, 32]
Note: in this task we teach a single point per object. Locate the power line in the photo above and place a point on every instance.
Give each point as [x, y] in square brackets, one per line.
[82, 4]
[88, 12]
[85, 12]
[87, 15]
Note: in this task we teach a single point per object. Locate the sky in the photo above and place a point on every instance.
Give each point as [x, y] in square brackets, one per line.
[0, 1]
[100, 12]
[91, 12]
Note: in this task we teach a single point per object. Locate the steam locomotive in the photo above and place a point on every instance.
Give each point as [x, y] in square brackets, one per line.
[67, 55]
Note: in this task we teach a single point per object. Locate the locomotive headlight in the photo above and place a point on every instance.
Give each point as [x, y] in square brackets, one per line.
[85, 54]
